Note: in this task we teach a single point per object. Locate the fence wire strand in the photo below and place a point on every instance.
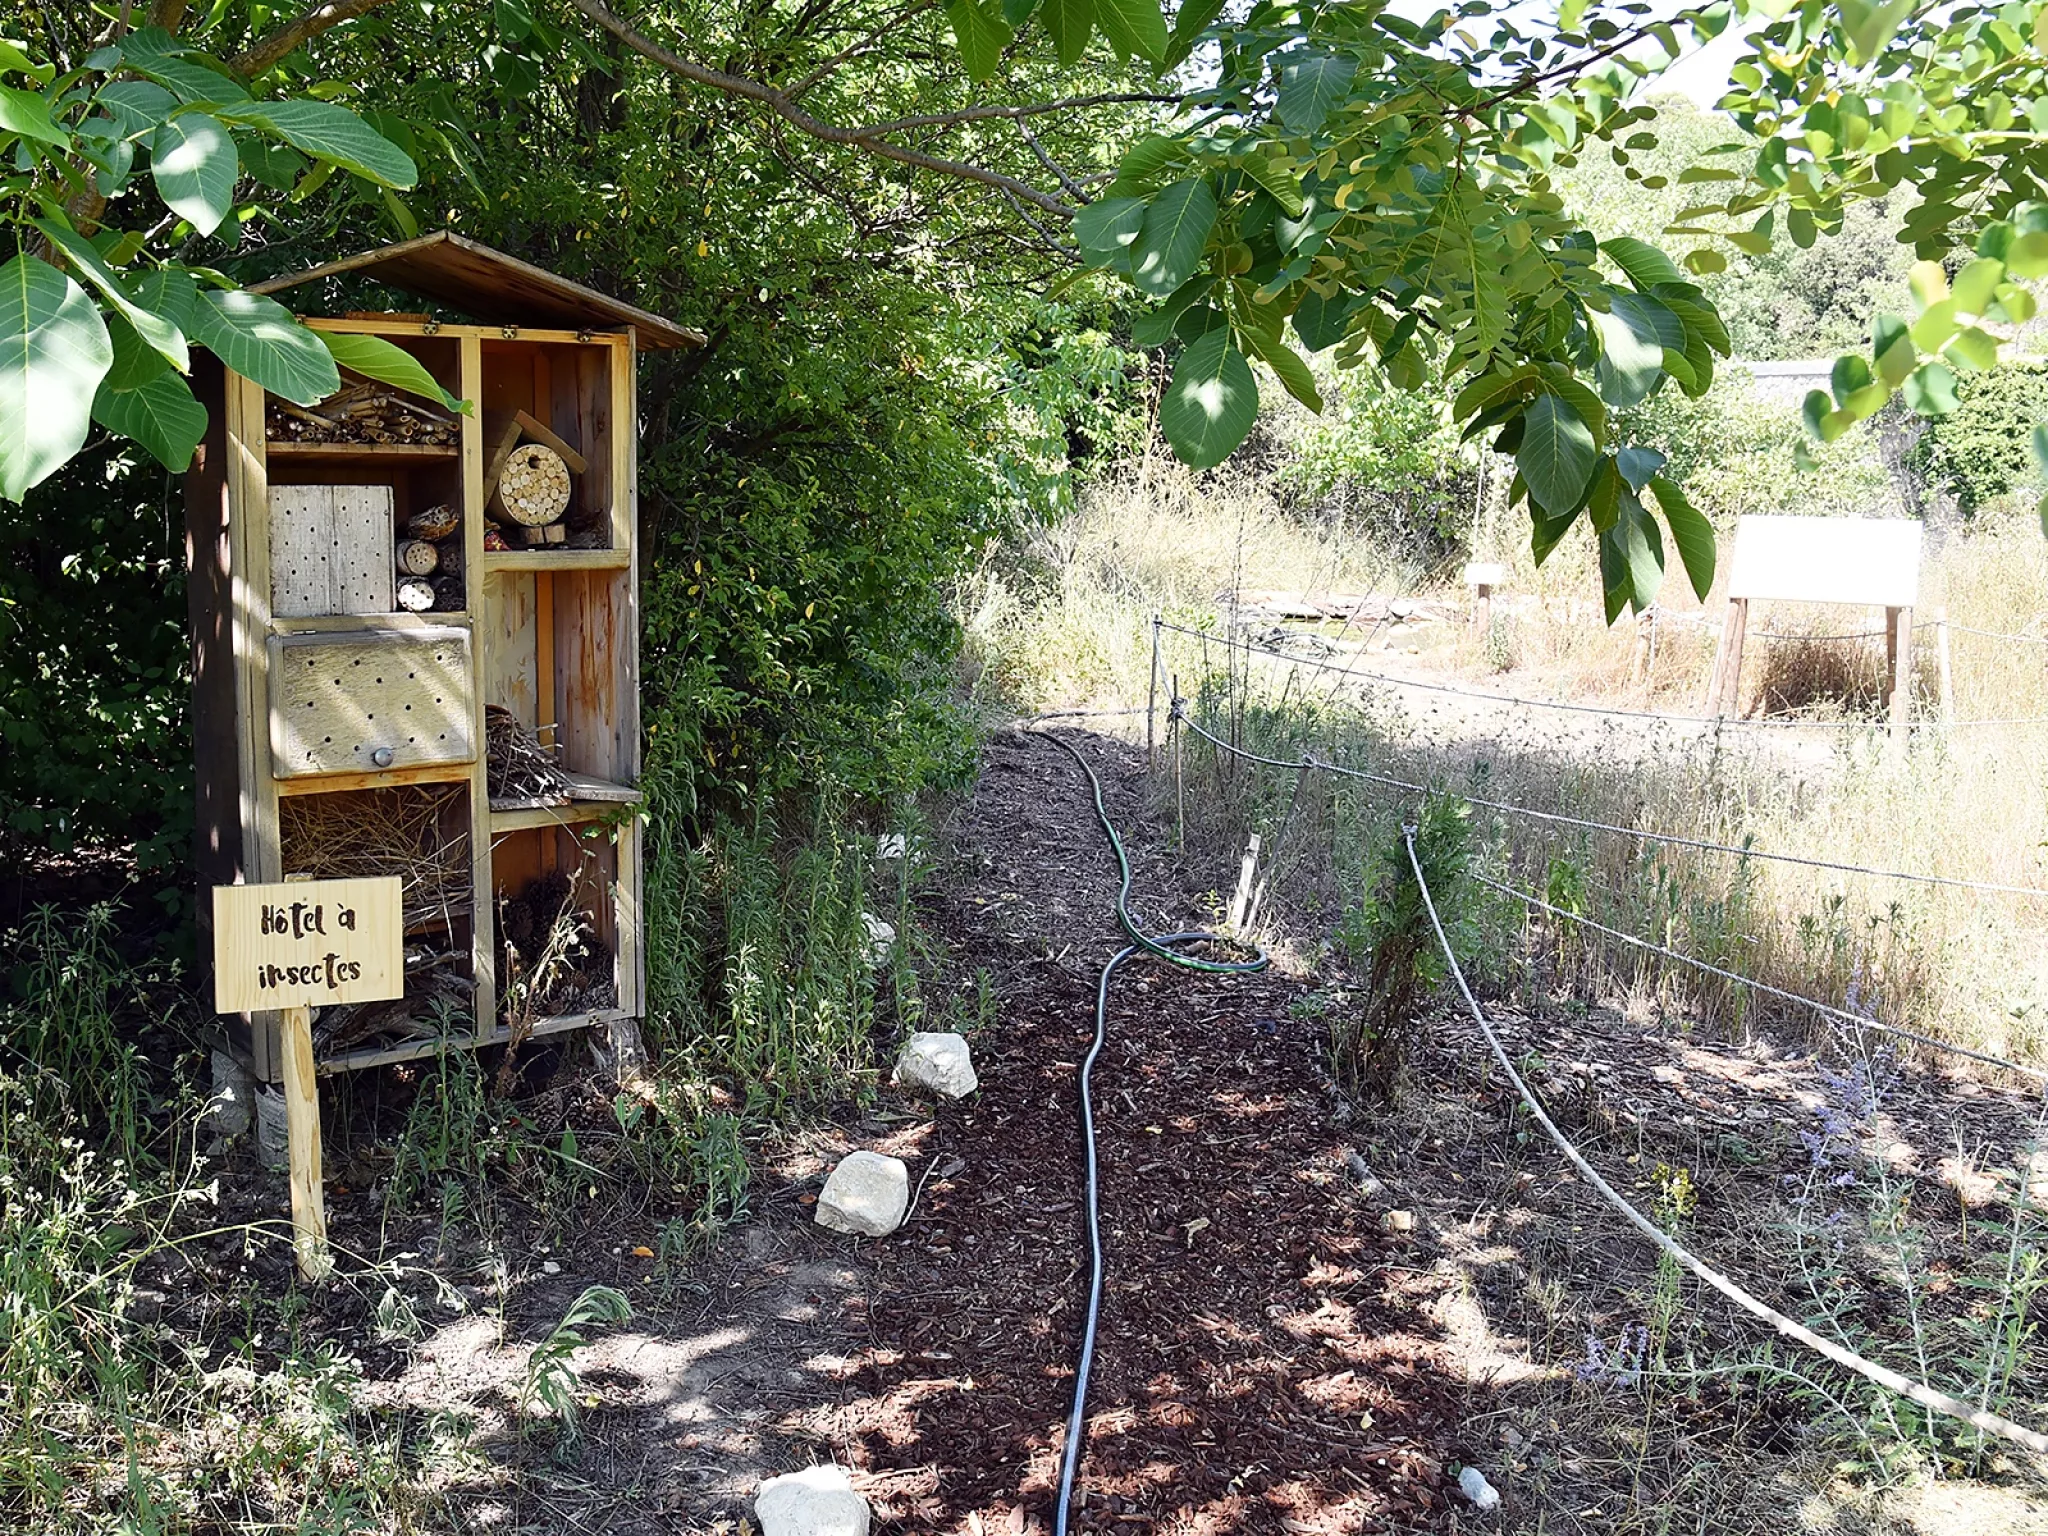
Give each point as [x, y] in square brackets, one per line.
[1892, 1381]
[1565, 705]
[1670, 839]
[1827, 1010]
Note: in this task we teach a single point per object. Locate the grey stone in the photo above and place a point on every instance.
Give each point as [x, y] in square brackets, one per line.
[230, 1108]
[867, 1194]
[938, 1064]
[273, 1140]
[818, 1501]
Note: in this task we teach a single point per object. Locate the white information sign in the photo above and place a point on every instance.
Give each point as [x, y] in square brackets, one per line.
[1864, 561]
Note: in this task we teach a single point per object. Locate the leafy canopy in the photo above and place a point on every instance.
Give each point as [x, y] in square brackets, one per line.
[1312, 177]
[97, 323]
[1387, 188]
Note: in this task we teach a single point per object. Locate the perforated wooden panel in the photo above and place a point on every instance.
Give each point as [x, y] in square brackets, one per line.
[365, 700]
[330, 549]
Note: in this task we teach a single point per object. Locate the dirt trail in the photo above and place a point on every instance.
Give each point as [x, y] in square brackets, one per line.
[1279, 1351]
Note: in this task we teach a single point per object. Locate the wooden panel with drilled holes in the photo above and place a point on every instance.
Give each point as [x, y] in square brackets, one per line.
[363, 537]
[369, 700]
[330, 550]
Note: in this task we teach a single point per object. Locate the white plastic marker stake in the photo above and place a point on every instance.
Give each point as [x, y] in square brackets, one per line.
[294, 947]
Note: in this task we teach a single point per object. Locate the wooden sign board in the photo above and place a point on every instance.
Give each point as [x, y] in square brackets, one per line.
[1866, 561]
[307, 943]
[296, 947]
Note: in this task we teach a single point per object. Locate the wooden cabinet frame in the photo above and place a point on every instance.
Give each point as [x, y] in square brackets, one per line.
[228, 549]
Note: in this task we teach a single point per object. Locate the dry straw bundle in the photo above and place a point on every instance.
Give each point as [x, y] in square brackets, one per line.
[369, 833]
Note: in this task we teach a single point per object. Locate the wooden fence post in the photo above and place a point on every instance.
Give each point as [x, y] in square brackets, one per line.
[1152, 703]
[1723, 686]
[1898, 654]
[1948, 687]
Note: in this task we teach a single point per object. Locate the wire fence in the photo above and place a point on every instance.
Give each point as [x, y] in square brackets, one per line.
[1704, 722]
[1669, 839]
[1852, 1029]
[1892, 1381]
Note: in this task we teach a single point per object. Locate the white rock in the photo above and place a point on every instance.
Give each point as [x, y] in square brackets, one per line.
[881, 938]
[867, 1193]
[939, 1064]
[818, 1501]
[1473, 1484]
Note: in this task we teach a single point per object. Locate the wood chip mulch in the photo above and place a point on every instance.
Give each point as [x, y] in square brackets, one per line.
[1264, 1362]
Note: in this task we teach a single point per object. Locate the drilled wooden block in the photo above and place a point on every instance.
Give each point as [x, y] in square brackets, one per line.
[330, 549]
[368, 700]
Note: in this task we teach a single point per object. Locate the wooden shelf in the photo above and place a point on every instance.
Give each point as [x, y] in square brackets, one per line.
[556, 559]
[362, 453]
[414, 1050]
[377, 778]
[599, 799]
[344, 623]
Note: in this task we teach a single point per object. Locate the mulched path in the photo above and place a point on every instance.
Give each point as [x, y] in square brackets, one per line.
[1264, 1361]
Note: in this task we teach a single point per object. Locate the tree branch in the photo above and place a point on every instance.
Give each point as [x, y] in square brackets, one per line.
[853, 50]
[266, 51]
[1059, 171]
[865, 139]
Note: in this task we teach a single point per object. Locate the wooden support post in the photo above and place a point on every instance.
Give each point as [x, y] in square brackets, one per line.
[1180, 791]
[1898, 655]
[302, 1137]
[1152, 703]
[1241, 900]
[1723, 688]
[1948, 687]
[1272, 861]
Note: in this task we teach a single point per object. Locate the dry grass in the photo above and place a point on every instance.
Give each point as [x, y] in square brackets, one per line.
[1066, 625]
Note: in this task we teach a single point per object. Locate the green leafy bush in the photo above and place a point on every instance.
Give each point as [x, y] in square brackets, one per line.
[1980, 451]
[1390, 937]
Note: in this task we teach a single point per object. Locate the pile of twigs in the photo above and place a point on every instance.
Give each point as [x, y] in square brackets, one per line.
[517, 766]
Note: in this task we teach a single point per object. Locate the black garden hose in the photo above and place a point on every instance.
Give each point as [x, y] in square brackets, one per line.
[1163, 948]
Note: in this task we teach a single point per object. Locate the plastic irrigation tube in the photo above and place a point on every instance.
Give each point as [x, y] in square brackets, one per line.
[1165, 947]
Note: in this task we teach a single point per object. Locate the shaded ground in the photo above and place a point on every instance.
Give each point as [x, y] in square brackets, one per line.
[1283, 1348]
[1263, 1360]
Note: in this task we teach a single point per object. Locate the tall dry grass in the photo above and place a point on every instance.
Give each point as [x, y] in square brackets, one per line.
[1067, 624]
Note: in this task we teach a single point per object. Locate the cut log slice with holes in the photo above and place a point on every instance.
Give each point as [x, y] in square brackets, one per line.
[448, 594]
[415, 595]
[416, 557]
[533, 490]
[433, 523]
[450, 556]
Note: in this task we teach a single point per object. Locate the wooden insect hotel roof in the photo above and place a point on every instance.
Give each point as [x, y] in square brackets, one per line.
[494, 288]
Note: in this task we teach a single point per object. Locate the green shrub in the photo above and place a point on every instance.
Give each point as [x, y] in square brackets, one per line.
[1390, 937]
[1980, 451]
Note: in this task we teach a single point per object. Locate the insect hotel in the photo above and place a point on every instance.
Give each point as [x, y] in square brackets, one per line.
[415, 650]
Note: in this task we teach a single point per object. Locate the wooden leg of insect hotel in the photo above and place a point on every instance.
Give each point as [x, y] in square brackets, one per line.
[302, 1134]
